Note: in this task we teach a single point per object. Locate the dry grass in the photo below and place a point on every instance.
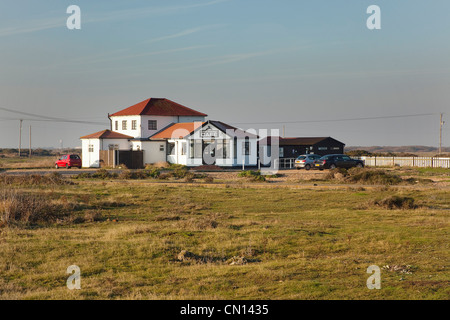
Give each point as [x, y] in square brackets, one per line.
[244, 242]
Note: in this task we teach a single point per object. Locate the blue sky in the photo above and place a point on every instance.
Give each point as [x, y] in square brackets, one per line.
[244, 62]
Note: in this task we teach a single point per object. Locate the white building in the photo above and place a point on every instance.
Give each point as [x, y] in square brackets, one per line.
[150, 116]
[106, 140]
[157, 130]
[208, 143]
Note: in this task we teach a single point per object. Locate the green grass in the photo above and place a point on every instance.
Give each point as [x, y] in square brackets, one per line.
[299, 243]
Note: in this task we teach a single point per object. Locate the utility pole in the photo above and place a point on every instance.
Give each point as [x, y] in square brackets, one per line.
[29, 150]
[441, 123]
[20, 135]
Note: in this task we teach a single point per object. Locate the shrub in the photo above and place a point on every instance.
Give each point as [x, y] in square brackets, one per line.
[338, 174]
[34, 179]
[395, 202]
[189, 177]
[153, 173]
[252, 175]
[18, 207]
[359, 175]
[103, 174]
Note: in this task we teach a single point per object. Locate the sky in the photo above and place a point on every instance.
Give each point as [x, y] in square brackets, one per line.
[310, 67]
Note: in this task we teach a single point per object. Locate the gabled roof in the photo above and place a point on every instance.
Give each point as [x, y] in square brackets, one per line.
[298, 141]
[236, 132]
[107, 134]
[158, 107]
[181, 130]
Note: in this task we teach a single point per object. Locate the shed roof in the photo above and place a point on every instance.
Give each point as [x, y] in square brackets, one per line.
[298, 141]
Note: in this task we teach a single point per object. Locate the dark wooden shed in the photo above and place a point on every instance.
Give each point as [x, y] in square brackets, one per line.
[293, 147]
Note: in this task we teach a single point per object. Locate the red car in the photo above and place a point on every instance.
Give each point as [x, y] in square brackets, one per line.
[68, 161]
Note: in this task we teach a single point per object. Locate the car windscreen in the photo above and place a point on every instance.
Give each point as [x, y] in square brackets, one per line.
[301, 158]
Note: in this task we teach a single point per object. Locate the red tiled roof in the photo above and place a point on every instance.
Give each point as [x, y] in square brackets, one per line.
[177, 130]
[107, 134]
[158, 107]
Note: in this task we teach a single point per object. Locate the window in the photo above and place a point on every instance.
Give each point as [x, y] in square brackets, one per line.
[322, 148]
[183, 148]
[171, 148]
[281, 152]
[91, 148]
[246, 145]
[161, 147]
[134, 125]
[74, 157]
[191, 150]
[124, 124]
[152, 125]
[226, 148]
[223, 147]
[116, 124]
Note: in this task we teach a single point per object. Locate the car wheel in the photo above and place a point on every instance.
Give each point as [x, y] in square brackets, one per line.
[332, 166]
[67, 166]
[360, 165]
[307, 167]
[56, 166]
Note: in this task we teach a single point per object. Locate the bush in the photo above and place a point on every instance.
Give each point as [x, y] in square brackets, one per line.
[395, 202]
[34, 179]
[17, 207]
[338, 174]
[103, 174]
[359, 175]
[252, 175]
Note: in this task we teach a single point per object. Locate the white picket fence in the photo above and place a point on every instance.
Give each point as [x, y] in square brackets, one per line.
[423, 162]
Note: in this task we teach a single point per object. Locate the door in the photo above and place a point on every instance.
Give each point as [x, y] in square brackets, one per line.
[209, 152]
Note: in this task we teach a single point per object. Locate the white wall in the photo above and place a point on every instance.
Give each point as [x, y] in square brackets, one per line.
[92, 159]
[152, 150]
[129, 132]
[142, 124]
[231, 160]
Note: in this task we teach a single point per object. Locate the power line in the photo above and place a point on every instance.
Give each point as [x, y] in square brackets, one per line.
[46, 118]
[340, 120]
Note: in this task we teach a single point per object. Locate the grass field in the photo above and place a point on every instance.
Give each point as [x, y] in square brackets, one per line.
[243, 241]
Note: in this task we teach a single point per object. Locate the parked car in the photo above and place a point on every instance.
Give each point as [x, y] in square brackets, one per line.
[306, 161]
[332, 161]
[68, 161]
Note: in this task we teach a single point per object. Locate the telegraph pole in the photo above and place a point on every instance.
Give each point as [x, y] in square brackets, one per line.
[20, 135]
[441, 123]
[29, 150]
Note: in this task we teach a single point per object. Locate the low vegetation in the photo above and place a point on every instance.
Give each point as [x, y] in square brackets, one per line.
[135, 239]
